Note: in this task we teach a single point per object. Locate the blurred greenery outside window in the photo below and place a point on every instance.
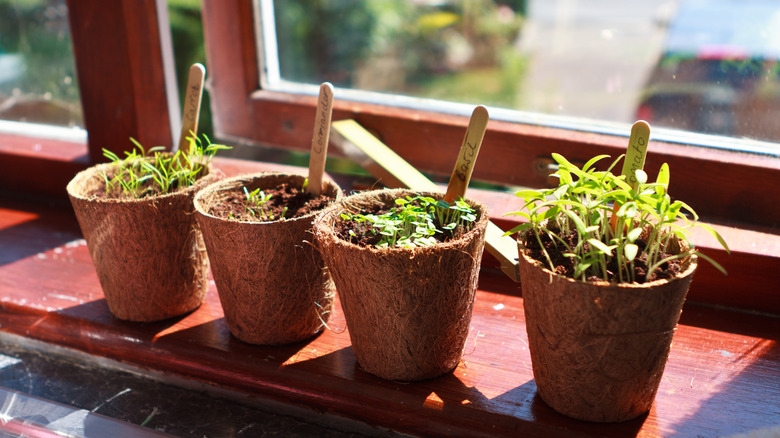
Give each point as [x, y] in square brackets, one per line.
[38, 82]
[451, 50]
[188, 48]
[692, 66]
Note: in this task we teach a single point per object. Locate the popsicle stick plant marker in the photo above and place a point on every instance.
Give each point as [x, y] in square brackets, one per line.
[320, 139]
[464, 167]
[408, 297]
[634, 160]
[190, 114]
[606, 264]
[142, 205]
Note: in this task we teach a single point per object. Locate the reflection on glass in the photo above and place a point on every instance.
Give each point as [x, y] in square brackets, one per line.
[708, 66]
[37, 72]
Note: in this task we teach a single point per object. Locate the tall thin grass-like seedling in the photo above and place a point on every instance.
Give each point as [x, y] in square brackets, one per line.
[155, 172]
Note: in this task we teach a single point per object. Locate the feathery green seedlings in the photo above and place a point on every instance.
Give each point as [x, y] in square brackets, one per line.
[417, 221]
[154, 172]
[581, 206]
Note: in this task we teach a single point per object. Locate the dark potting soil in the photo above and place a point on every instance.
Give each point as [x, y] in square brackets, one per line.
[565, 265]
[365, 234]
[286, 202]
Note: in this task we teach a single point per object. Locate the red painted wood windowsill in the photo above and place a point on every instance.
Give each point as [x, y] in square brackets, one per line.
[722, 378]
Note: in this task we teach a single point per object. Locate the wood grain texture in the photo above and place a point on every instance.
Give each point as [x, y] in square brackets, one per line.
[511, 153]
[721, 378]
[126, 84]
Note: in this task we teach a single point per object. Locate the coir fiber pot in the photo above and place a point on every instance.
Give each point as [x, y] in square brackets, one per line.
[407, 310]
[272, 282]
[148, 253]
[598, 350]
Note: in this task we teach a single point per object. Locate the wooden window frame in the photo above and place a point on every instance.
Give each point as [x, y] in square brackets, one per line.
[124, 63]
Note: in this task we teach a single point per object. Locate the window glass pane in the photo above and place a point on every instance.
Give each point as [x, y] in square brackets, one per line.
[707, 66]
[37, 71]
[188, 48]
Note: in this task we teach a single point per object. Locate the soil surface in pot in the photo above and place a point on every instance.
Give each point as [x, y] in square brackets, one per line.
[363, 233]
[284, 202]
[565, 266]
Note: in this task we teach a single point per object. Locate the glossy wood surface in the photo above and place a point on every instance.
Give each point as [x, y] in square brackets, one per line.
[723, 375]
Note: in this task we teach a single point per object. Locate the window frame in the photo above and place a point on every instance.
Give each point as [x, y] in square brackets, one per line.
[512, 153]
[130, 92]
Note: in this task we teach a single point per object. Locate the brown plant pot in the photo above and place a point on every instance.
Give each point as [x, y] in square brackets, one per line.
[272, 282]
[148, 253]
[598, 350]
[408, 310]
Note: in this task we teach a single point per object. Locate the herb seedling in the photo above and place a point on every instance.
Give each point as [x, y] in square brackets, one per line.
[154, 172]
[257, 205]
[582, 206]
[416, 221]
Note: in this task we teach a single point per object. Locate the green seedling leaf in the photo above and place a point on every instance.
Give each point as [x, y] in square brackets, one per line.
[601, 246]
[519, 229]
[712, 262]
[593, 161]
[577, 222]
[663, 178]
[620, 182]
[716, 235]
[565, 176]
[562, 161]
[580, 268]
[634, 234]
[630, 251]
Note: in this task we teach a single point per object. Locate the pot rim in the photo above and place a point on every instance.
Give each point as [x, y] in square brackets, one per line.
[233, 182]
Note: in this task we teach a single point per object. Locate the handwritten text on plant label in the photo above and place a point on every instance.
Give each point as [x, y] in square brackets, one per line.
[323, 122]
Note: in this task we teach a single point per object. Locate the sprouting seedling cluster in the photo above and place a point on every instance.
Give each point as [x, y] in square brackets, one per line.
[144, 173]
[416, 221]
[258, 205]
[582, 205]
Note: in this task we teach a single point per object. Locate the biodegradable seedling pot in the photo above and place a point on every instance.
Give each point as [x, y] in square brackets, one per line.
[272, 282]
[148, 253]
[605, 265]
[598, 349]
[407, 310]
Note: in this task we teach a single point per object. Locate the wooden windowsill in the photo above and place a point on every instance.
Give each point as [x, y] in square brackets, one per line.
[721, 373]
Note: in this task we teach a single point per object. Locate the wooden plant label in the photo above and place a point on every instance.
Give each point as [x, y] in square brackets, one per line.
[634, 159]
[191, 109]
[320, 138]
[467, 157]
[637, 151]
